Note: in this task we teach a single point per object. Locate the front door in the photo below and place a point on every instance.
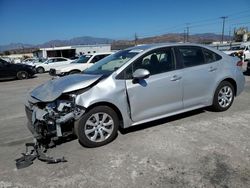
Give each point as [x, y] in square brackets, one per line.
[159, 94]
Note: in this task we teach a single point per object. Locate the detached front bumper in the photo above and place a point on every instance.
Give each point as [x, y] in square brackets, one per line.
[54, 72]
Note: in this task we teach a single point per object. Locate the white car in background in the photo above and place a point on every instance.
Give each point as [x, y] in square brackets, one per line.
[28, 61]
[77, 66]
[50, 63]
[243, 50]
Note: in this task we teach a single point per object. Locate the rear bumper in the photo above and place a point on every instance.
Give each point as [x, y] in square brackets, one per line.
[240, 81]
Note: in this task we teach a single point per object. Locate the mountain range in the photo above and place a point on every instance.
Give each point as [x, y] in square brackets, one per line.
[118, 44]
[86, 40]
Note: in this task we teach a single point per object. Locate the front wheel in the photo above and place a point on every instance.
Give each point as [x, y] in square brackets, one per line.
[40, 70]
[22, 75]
[97, 127]
[223, 97]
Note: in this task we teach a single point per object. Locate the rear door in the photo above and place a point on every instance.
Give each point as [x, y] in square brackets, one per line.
[200, 70]
[159, 94]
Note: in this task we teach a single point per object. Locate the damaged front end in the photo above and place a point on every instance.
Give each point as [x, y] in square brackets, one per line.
[51, 107]
[49, 121]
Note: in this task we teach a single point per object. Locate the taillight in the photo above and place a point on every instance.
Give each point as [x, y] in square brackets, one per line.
[239, 63]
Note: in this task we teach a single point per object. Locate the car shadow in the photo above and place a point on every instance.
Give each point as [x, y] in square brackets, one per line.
[162, 121]
[15, 79]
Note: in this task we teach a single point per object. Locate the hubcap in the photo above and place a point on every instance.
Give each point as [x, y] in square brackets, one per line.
[99, 127]
[225, 96]
[23, 75]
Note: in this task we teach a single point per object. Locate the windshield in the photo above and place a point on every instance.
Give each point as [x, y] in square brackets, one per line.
[238, 48]
[109, 64]
[83, 59]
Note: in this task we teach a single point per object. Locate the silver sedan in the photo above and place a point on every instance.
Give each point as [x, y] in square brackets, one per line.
[131, 87]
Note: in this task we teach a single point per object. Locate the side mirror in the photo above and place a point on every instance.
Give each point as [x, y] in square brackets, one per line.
[140, 74]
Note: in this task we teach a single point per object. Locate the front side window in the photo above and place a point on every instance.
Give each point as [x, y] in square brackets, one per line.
[109, 64]
[3, 62]
[156, 62]
[96, 58]
[191, 56]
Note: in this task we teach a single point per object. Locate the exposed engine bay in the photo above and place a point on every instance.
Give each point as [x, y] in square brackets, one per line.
[50, 121]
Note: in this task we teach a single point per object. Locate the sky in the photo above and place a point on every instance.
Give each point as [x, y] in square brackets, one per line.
[38, 21]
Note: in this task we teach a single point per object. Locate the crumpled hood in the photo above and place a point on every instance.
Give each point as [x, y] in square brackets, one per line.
[52, 89]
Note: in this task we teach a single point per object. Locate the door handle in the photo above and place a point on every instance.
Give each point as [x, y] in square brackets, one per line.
[212, 69]
[175, 78]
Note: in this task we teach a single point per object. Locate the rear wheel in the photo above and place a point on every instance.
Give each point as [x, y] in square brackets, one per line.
[223, 97]
[40, 70]
[97, 127]
[22, 75]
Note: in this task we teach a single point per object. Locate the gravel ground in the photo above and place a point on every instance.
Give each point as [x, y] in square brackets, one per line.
[195, 149]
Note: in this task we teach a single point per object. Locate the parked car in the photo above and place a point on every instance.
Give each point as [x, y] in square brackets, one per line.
[13, 71]
[77, 66]
[52, 62]
[242, 51]
[248, 66]
[28, 60]
[36, 62]
[131, 87]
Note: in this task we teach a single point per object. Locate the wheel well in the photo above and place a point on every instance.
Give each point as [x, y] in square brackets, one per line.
[75, 70]
[39, 67]
[119, 114]
[231, 81]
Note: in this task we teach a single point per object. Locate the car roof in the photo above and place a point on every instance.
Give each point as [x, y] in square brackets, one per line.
[56, 57]
[99, 53]
[144, 47]
[148, 47]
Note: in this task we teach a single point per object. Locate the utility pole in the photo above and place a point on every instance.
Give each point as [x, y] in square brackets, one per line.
[184, 36]
[230, 38]
[223, 25]
[136, 39]
[187, 32]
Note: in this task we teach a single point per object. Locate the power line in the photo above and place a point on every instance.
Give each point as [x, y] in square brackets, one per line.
[194, 24]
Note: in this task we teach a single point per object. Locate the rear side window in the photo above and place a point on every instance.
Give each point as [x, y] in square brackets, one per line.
[191, 56]
[210, 56]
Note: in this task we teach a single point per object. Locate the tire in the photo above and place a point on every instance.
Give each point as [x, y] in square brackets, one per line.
[91, 133]
[223, 97]
[40, 70]
[74, 72]
[22, 75]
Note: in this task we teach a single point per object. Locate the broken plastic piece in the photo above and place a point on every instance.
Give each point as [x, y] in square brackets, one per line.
[36, 152]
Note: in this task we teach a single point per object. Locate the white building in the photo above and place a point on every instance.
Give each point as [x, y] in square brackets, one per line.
[71, 51]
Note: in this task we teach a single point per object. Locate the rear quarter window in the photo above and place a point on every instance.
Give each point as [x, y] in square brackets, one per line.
[210, 56]
[191, 55]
